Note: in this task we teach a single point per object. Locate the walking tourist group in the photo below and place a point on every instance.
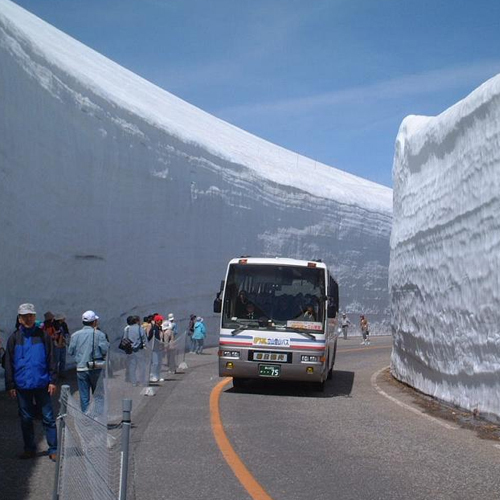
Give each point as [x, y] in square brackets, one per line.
[34, 360]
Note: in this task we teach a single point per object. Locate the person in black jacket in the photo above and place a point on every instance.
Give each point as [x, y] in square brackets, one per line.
[30, 376]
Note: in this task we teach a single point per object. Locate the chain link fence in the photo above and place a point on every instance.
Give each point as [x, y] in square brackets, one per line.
[94, 460]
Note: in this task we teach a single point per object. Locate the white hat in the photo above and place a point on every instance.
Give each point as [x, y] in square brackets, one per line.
[171, 316]
[166, 325]
[89, 316]
[26, 309]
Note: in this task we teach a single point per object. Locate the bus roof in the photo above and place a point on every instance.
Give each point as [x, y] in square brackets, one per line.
[277, 261]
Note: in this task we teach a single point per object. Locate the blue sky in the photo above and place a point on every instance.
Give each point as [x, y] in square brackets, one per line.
[329, 79]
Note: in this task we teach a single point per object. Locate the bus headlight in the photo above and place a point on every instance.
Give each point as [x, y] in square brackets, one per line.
[223, 353]
[309, 359]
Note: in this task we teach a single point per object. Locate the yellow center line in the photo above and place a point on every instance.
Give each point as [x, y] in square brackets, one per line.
[254, 489]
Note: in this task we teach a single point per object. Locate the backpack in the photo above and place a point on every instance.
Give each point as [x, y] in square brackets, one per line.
[2, 355]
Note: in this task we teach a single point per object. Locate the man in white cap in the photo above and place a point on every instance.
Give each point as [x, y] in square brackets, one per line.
[89, 347]
[175, 328]
[30, 376]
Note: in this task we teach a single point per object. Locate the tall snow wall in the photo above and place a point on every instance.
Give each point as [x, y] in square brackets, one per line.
[444, 271]
[119, 197]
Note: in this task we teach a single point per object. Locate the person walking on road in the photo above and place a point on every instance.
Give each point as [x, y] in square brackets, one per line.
[89, 346]
[190, 331]
[31, 376]
[155, 334]
[345, 323]
[168, 339]
[136, 334]
[200, 332]
[365, 329]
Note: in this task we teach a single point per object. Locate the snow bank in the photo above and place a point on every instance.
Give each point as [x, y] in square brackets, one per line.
[444, 273]
[119, 197]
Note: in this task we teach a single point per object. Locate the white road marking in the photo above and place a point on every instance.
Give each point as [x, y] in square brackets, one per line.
[404, 405]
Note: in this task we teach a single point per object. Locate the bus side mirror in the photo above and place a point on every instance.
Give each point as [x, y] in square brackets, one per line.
[218, 304]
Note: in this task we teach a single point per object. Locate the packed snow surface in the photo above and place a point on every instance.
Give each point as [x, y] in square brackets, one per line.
[119, 197]
[445, 252]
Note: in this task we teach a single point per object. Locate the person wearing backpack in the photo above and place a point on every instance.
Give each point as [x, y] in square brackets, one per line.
[30, 377]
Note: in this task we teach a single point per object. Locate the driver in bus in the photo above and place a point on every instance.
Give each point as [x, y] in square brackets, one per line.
[309, 314]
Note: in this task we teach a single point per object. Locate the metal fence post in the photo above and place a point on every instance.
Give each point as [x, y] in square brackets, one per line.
[126, 425]
[60, 436]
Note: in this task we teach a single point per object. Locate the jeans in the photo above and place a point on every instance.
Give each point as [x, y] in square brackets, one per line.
[60, 355]
[199, 346]
[156, 362]
[344, 331]
[27, 412]
[87, 380]
[135, 368]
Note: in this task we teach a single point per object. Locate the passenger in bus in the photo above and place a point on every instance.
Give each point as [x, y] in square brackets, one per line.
[241, 304]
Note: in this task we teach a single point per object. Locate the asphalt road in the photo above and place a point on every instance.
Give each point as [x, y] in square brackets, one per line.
[351, 442]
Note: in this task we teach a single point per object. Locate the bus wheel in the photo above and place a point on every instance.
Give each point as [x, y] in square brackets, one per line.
[239, 383]
[330, 373]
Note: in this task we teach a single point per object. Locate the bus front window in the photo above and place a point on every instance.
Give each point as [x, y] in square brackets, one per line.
[274, 295]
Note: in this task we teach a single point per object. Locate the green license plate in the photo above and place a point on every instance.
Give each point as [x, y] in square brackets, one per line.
[269, 370]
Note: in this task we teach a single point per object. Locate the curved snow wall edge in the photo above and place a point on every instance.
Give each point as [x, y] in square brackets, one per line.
[99, 209]
[444, 273]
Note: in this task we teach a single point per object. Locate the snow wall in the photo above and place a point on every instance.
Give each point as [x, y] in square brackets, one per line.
[119, 197]
[444, 273]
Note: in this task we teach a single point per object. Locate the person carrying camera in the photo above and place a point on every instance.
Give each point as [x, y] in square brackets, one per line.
[89, 346]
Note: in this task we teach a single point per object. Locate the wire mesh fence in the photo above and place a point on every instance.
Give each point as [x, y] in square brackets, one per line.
[93, 456]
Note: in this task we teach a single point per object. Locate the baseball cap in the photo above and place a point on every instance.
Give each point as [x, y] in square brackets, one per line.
[26, 309]
[89, 316]
[171, 316]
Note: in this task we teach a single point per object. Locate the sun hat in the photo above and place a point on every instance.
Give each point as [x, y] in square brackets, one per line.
[60, 317]
[26, 309]
[48, 316]
[89, 316]
[171, 316]
[158, 317]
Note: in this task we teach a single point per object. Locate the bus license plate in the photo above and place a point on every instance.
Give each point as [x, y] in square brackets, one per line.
[269, 370]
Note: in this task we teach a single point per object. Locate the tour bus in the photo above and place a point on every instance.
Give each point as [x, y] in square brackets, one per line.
[278, 320]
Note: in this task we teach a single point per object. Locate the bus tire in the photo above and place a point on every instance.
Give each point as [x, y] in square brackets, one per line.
[330, 374]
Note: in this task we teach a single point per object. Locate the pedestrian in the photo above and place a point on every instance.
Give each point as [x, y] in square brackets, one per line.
[192, 343]
[136, 334]
[48, 324]
[200, 332]
[365, 329]
[345, 323]
[157, 350]
[30, 377]
[89, 346]
[175, 327]
[60, 339]
[168, 339]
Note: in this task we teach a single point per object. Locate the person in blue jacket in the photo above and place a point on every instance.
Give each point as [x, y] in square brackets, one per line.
[31, 376]
[199, 334]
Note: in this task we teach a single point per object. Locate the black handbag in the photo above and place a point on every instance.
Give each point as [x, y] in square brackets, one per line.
[126, 344]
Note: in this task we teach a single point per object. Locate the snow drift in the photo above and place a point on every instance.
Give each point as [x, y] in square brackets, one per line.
[445, 252]
[119, 197]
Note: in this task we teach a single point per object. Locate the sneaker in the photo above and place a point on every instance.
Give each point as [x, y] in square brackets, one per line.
[153, 379]
[363, 343]
[161, 380]
[26, 455]
[53, 457]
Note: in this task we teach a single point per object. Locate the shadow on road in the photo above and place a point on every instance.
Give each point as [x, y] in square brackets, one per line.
[339, 386]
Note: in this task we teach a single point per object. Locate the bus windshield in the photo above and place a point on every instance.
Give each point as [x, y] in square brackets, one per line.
[272, 296]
